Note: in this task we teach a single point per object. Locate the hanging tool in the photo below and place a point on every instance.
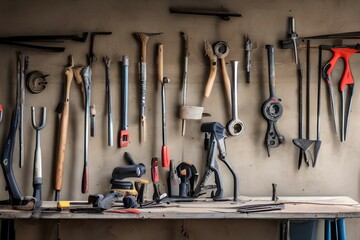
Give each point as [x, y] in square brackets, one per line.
[288, 43]
[165, 155]
[23, 41]
[261, 207]
[213, 68]
[63, 129]
[318, 140]
[272, 109]
[86, 76]
[16, 199]
[222, 13]
[185, 76]
[91, 58]
[347, 79]
[235, 126]
[249, 46]
[36, 81]
[216, 141]
[37, 174]
[124, 133]
[221, 50]
[155, 178]
[302, 143]
[144, 38]
[20, 101]
[107, 62]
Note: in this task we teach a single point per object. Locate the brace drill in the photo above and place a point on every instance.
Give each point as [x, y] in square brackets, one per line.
[216, 140]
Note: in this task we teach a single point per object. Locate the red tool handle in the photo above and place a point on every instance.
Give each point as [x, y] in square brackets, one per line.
[165, 156]
[155, 170]
[85, 180]
[344, 53]
[124, 138]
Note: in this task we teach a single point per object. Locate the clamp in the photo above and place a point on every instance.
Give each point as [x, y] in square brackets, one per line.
[216, 133]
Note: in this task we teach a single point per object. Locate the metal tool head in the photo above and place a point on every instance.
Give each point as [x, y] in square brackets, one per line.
[221, 49]
[209, 50]
[107, 61]
[148, 34]
[91, 56]
[249, 45]
[81, 38]
[70, 64]
[33, 118]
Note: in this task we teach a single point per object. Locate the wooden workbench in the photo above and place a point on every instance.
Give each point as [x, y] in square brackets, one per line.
[295, 208]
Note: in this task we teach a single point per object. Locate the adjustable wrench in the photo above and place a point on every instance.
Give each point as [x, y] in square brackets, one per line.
[235, 126]
[124, 133]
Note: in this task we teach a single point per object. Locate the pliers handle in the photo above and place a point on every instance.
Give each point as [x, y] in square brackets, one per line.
[344, 53]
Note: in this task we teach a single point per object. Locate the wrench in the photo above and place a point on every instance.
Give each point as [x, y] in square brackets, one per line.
[235, 126]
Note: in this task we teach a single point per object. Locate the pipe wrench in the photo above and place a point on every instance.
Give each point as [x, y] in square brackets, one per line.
[341, 52]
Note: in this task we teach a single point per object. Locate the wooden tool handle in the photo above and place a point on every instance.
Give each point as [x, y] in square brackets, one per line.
[143, 129]
[226, 79]
[211, 79]
[160, 62]
[144, 40]
[79, 80]
[213, 68]
[60, 157]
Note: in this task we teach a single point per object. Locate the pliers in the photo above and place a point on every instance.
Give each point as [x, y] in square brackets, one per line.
[346, 80]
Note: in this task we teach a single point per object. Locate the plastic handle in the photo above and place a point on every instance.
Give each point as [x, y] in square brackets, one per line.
[165, 156]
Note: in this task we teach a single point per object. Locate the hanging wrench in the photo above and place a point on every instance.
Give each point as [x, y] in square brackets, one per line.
[271, 108]
[235, 126]
[37, 173]
[124, 133]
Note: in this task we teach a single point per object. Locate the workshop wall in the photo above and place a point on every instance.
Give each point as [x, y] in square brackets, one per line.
[266, 22]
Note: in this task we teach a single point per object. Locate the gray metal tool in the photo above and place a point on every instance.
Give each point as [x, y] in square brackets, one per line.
[86, 75]
[124, 133]
[185, 75]
[272, 109]
[249, 46]
[107, 62]
[37, 173]
[165, 155]
[216, 141]
[235, 126]
[20, 102]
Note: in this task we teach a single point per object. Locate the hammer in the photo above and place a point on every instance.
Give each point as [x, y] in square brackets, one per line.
[144, 38]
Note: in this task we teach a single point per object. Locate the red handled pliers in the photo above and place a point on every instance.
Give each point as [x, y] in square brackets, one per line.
[346, 80]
